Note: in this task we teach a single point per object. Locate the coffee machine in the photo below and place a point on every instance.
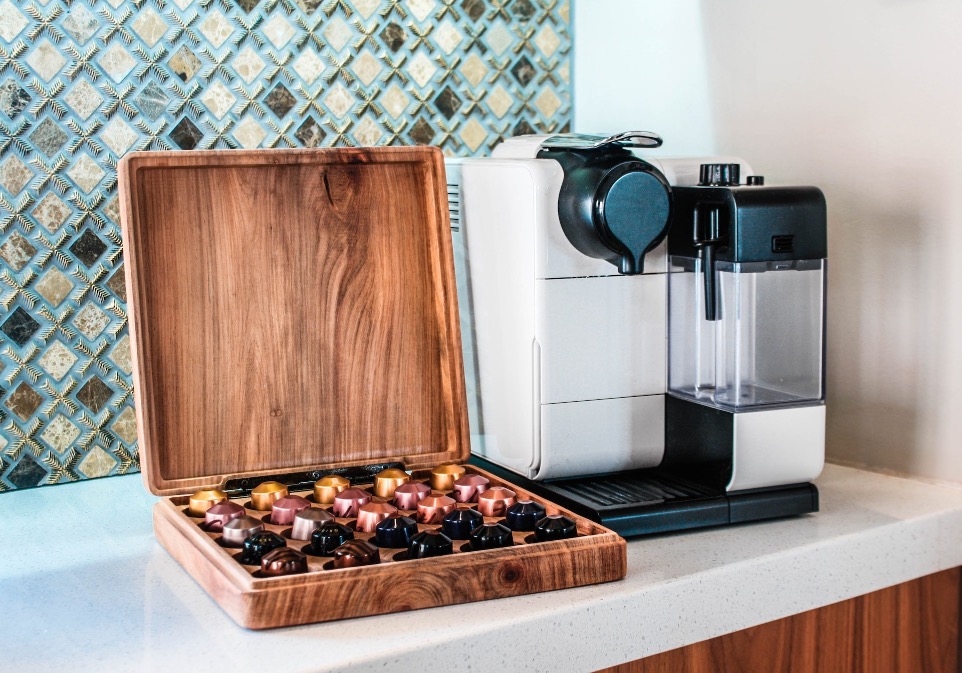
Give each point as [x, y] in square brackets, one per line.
[646, 334]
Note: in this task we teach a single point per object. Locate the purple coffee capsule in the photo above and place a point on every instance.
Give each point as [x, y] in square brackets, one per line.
[555, 527]
[239, 529]
[524, 514]
[220, 514]
[490, 536]
[459, 523]
[284, 509]
[349, 501]
[308, 520]
[468, 487]
[429, 543]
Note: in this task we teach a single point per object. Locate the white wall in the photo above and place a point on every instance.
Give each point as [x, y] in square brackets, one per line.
[864, 99]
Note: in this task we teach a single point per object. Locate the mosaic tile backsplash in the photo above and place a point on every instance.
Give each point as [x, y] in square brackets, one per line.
[83, 82]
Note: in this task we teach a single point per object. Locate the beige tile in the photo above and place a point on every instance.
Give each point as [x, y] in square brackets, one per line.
[112, 210]
[150, 26]
[366, 7]
[125, 425]
[121, 355]
[46, 60]
[116, 61]
[337, 33]
[84, 99]
[421, 9]
[548, 102]
[339, 100]
[60, 433]
[218, 99]
[97, 463]
[58, 360]
[14, 174]
[55, 286]
[91, 321]
[547, 40]
[12, 21]
[421, 69]
[366, 67]
[473, 134]
[448, 37]
[118, 136]
[249, 133]
[395, 101]
[499, 101]
[367, 132]
[278, 30]
[499, 38]
[17, 251]
[309, 66]
[474, 69]
[248, 64]
[216, 28]
[86, 173]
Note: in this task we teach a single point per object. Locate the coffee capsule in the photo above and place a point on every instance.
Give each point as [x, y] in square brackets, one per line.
[349, 501]
[266, 494]
[433, 508]
[555, 527]
[373, 513]
[429, 543]
[356, 553]
[444, 476]
[283, 561]
[496, 501]
[203, 500]
[395, 532]
[387, 480]
[260, 544]
[308, 520]
[329, 537]
[407, 496]
[284, 509]
[468, 487]
[239, 529]
[327, 487]
[524, 514]
[490, 536]
[459, 523]
[221, 513]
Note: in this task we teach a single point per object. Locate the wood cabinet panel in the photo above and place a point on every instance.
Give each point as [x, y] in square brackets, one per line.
[908, 628]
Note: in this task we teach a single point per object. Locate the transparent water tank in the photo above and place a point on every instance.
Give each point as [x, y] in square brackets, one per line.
[766, 345]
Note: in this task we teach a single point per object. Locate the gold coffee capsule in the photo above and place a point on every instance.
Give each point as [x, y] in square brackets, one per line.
[204, 499]
[265, 495]
[444, 476]
[326, 488]
[386, 481]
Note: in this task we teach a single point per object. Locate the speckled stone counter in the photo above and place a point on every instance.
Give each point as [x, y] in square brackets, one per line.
[85, 587]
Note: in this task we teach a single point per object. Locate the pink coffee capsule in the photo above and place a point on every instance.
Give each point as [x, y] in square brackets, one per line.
[433, 508]
[371, 514]
[307, 521]
[496, 500]
[221, 513]
[284, 509]
[349, 501]
[468, 487]
[407, 496]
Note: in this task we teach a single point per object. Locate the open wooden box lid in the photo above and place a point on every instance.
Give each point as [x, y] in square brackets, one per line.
[290, 310]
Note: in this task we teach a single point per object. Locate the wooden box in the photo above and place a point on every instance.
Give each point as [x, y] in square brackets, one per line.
[294, 312]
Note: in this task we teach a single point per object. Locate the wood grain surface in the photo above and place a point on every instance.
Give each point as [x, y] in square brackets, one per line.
[597, 555]
[909, 628]
[291, 309]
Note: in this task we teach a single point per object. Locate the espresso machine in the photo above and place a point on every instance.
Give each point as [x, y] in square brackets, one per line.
[646, 334]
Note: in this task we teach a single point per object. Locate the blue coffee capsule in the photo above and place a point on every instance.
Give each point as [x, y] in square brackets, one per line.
[429, 543]
[524, 514]
[260, 544]
[458, 524]
[555, 527]
[490, 536]
[395, 532]
[328, 537]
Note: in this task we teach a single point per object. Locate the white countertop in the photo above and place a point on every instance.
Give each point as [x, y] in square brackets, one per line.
[84, 586]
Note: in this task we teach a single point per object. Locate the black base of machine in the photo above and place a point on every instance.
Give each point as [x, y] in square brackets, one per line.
[646, 502]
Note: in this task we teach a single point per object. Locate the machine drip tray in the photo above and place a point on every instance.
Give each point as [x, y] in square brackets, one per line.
[646, 502]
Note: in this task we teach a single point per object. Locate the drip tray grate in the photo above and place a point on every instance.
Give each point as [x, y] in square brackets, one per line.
[621, 490]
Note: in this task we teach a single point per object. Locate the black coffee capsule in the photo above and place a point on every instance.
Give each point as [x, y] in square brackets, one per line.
[555, 527]
[395, 532]
[430, 543]
[490, 536]
[459, 523]
[524, 514]
[260, 544]
[328, 537]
